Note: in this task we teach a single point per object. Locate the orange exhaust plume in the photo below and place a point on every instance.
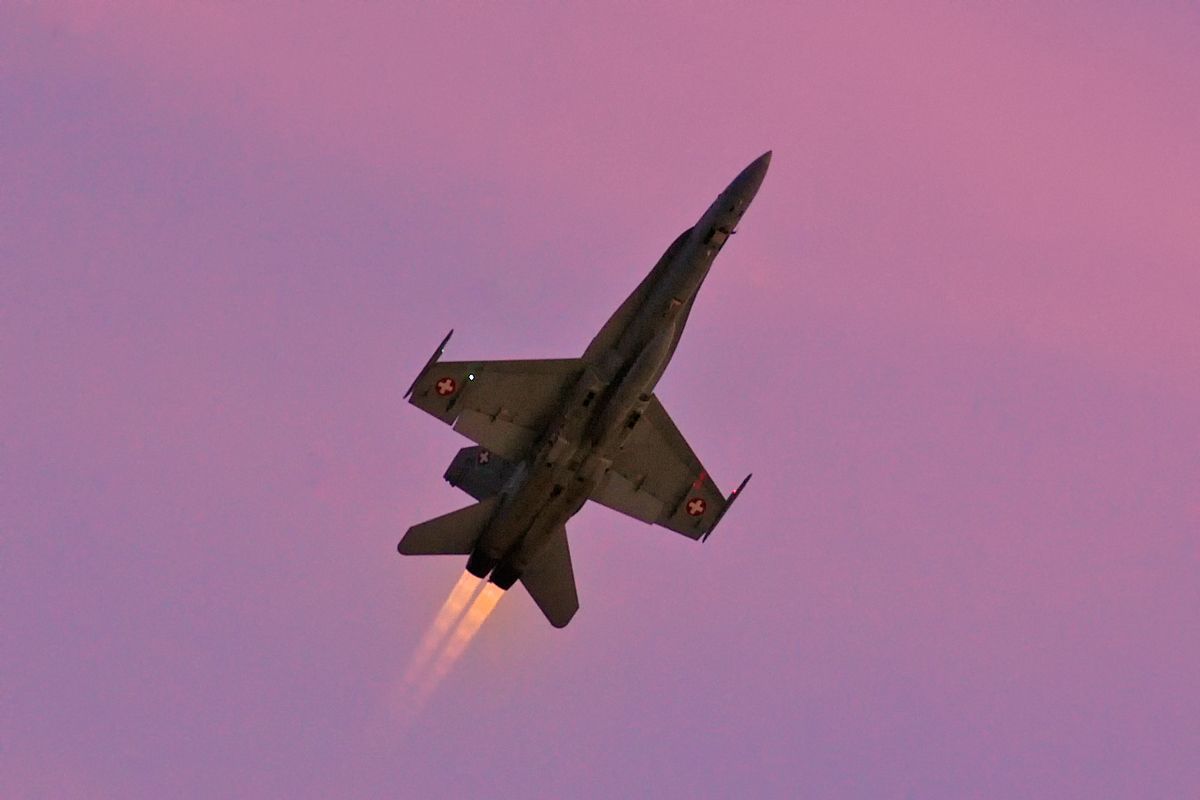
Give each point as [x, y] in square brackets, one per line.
[460, 595]
[480, 610]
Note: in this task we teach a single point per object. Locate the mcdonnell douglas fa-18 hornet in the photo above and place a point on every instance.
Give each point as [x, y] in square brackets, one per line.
[552, 434]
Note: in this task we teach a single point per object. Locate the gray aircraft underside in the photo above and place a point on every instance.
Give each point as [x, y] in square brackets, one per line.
[552, 434]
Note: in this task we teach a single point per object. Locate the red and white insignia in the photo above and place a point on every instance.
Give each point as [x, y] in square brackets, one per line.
[696, 506]
[445, 387]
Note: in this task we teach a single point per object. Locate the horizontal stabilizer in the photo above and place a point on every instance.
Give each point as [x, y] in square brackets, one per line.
[550, 580]
[453, 534]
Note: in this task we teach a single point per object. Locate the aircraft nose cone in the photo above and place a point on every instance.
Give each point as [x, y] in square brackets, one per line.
[746, 184]
[757, 168]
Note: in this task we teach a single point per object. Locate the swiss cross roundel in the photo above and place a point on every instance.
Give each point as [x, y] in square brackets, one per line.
[696, 506]
[445, 387]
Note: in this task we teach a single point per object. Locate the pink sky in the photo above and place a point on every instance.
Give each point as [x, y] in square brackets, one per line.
[957, 343]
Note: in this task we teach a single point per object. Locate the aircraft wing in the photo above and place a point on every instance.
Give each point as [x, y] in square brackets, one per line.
[658, 479]
[502, 405]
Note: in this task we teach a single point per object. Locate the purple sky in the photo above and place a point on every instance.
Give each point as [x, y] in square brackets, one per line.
[957, 342]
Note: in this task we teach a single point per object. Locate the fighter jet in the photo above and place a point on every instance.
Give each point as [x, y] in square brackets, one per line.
[552, 434]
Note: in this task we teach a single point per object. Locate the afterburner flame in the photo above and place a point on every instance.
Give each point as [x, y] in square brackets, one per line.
[460, 595]
[470, 624]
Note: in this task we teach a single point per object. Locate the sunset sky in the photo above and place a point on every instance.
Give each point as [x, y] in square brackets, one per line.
[957, 341]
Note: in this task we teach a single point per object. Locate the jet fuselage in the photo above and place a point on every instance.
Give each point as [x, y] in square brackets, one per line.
[624, 363]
